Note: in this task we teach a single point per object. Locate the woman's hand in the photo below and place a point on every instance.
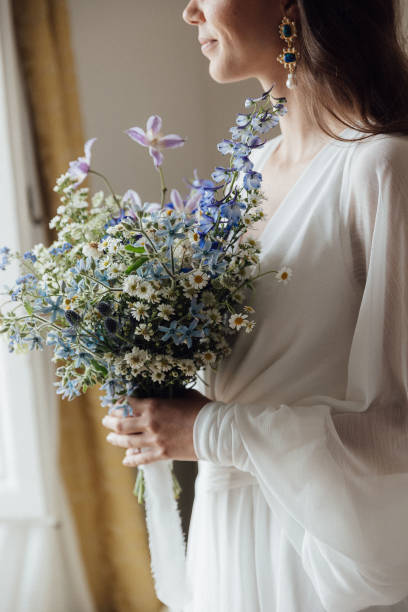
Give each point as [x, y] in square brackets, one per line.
[162, 427]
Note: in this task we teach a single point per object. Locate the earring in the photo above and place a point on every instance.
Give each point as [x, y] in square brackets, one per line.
[289, 55]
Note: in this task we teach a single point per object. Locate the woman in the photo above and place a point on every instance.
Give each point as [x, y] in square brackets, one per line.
[302, 494]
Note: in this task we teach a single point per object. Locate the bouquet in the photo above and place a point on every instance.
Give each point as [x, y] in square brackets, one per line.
[138, 297]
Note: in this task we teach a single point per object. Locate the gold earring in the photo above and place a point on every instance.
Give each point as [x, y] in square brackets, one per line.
[289, 55]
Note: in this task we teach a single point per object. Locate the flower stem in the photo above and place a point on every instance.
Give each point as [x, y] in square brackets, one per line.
[163, 186]
[108, 184]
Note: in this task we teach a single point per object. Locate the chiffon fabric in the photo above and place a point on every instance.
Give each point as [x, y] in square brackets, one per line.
[301, 501]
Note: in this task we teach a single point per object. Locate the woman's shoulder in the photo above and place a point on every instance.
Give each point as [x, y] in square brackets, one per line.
[379, 153]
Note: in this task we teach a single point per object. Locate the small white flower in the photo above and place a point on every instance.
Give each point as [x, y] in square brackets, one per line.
[137, 358]
[91, 250]
[214, 315]
[249, 326]
[284, 275]
[190, 292]
[208, 357]
[144, 290]
[139, 311]
[187, 366]
[208, 298]
[158, 376]
[165, 311]
[53, 222]
[104, 244]
[163, 363]
[116, 269]
[144, 330]
[198, 279]
[131, 284]
[104, 263]
[236, 321]
[113, 245]
[249, 309]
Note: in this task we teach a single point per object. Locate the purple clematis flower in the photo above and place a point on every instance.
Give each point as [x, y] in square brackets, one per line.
[79, 169]
[136, 205]
[154, 139]
[188, 206]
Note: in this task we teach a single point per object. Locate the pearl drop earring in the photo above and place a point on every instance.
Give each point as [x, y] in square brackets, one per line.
[289, 55]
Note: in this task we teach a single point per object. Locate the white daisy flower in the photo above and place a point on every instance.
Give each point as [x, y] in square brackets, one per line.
[284, 275]
[214, 315]
[113, 245]
[208, 298]
[208, 357]
[250, 325]
[249, 309]
[158, 376]
[144, 330]
[190, 292]
[139, 311]
[104, 263]
[198, 279]
[165, 311]
[187, 366]
[104, 244]
[144, 290]
[236, 321]
[131, 285]
[116, 269]
[137, 358]
[163, 363]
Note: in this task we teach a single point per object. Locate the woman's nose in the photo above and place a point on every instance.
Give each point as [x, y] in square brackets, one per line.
[192, 14]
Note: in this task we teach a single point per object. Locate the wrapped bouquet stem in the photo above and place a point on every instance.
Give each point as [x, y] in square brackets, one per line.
[138, 297]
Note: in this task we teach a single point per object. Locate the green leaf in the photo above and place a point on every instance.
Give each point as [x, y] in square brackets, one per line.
[28, 308]
[99, 367]
[136, 264]
[133, 249]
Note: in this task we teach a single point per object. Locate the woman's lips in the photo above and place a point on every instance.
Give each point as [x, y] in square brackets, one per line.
[208, 45]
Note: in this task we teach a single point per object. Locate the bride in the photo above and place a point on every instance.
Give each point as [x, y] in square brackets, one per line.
[301, 435]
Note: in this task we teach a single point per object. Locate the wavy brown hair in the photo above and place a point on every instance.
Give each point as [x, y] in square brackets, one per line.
[354, 63]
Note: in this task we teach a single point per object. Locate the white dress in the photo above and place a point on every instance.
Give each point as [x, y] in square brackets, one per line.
[301, 500]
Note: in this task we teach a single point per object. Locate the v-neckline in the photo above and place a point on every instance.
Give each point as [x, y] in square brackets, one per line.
[275, 141]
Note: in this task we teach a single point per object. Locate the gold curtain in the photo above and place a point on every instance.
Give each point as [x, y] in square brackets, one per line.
[109, 521]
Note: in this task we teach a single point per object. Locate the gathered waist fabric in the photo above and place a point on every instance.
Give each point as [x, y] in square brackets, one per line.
[213, 477]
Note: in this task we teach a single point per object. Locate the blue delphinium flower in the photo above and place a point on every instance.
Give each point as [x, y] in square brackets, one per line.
[233, 211]
[222, 174]
[243, 164]
[252, 180]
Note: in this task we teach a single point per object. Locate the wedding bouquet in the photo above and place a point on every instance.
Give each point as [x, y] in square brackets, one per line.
[138, 297]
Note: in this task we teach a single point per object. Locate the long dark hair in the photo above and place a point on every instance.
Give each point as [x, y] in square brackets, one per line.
[354, 63]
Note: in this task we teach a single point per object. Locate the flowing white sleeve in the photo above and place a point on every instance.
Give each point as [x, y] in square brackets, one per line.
[335, 469]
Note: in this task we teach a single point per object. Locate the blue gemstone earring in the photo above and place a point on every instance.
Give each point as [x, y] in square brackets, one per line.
[289, 55]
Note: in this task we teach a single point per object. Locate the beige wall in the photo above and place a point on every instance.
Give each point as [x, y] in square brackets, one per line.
[136, 58]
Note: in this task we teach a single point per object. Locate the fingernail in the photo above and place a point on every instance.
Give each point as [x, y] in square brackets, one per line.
[104, 420]
[110, 437]
[126, 461]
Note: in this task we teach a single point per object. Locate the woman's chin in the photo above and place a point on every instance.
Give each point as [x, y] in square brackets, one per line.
[225, 74]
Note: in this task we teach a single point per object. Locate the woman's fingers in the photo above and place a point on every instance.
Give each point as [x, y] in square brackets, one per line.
[126, 425]
[131, 440]
[148, 456]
